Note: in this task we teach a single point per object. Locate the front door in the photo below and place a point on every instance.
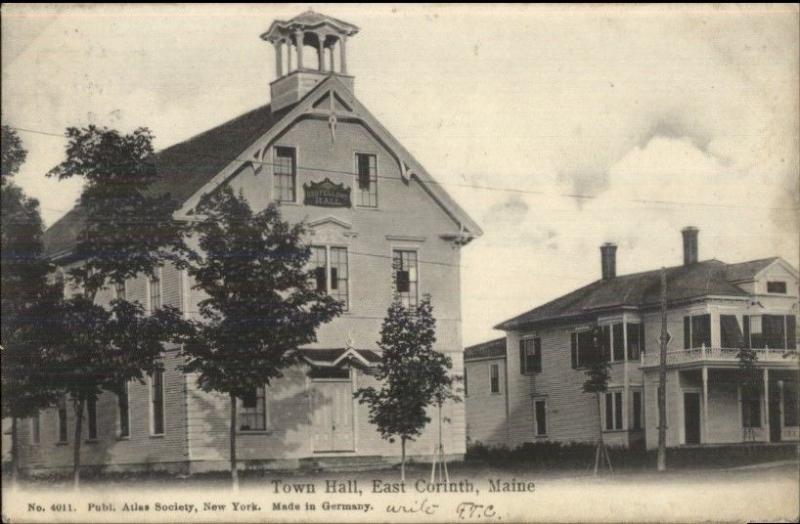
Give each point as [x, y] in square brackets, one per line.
[332, 403]
[691, 417]
[775, 416]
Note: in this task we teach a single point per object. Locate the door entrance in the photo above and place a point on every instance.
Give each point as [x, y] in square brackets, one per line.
[332, 403]
[775, 416]
[691, 417]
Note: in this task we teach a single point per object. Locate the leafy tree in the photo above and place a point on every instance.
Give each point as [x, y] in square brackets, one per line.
[750, 381]
[597, 375]
[25, 294]
[261, 304]
[412, 375]
[127, 229]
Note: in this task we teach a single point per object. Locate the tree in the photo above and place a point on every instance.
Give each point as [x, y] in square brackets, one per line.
[261, 304]
[412, 375]
[597, 376]
[749, 380]
[127, 229]
[25, 294]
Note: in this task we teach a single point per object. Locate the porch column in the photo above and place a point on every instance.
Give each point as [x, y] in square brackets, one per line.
[278, 59]
[766, 402]
[342, 55]
[705, 439]
[299, 36]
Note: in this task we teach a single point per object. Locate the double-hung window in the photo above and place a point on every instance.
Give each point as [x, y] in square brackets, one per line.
[696, 331]
[540, 417]
[751, 409]
[123, 411]
[494, 377]
[770, 331]
[154, 291]
[330, 270]
[253, 410]
[635, 335]
[120, 290]
[530, 355]
[613, 410]
[285, 174]
[404, 269]
[367, 178]
[582, 347]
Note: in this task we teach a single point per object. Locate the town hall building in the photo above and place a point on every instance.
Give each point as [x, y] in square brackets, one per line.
[380, 225]
[527, 386]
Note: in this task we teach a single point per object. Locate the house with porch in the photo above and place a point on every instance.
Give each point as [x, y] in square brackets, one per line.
[713, 310]
[380, 225]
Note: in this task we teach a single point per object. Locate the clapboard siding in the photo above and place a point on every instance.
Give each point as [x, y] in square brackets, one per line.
[486, 411]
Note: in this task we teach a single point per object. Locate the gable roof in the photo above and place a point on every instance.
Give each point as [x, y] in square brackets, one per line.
[637, 290]
[492, 348]
[189, 167]
[744, 271]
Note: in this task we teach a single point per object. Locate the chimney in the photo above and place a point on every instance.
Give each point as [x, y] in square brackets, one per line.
[689, 245]
[608, 260]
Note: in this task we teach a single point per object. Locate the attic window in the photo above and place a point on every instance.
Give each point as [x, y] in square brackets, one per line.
[776, 287]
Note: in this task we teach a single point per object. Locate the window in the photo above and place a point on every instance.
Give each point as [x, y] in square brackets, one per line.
[494, 375]
[330, 278]
[36, 429]
[790, 404]
[582, 348]
[530, 355]
[62, 419]
[634, 340]
[404, 265]
[91, 412]
[253, 411]
[367, 173]
[119, 291]
[157, 403]
[772, 331]
[123, 412]
[751, 409]
[284, 180]
[696, 331]
[614, 410]
[636, 397]
[776, 287]
[619, 343]
[540, 412]
[154, 291]
[730, 332]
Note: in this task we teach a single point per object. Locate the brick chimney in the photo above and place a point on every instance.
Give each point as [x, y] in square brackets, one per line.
[690, 252]
[608, 260]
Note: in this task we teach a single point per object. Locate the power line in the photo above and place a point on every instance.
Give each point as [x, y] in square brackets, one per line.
[457, 184]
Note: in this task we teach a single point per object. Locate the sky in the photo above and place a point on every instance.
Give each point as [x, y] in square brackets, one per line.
[557, 128]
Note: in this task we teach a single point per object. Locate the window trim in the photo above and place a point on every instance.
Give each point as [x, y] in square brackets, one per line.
[150, 405]
[355, 164]
[618, 420]
[781, 282]
[328, 248]
[296, 191]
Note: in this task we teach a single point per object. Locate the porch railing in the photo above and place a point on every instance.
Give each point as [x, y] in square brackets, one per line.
[682, 356]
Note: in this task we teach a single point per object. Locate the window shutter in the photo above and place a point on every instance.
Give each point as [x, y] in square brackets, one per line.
[574, 349]
[522, 357]
[746, 326]
[791, 332]
[687, 333]
[537, 362]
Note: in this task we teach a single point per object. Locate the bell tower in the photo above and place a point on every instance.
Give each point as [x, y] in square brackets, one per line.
[299, 71]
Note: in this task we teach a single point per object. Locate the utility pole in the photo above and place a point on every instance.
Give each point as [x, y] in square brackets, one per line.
[662, 378]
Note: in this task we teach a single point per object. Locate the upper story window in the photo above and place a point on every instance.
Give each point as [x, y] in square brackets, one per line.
[770, 331]
[776, 287]
[330, 270]
[494, 377]
[619, 342]
[582, 348]
[635, 335]
[530, 355]
[696, 331]
[404, 268]
[154, 291]
[285, 174]
[367, 176]
[120, 291]
[253, 411]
